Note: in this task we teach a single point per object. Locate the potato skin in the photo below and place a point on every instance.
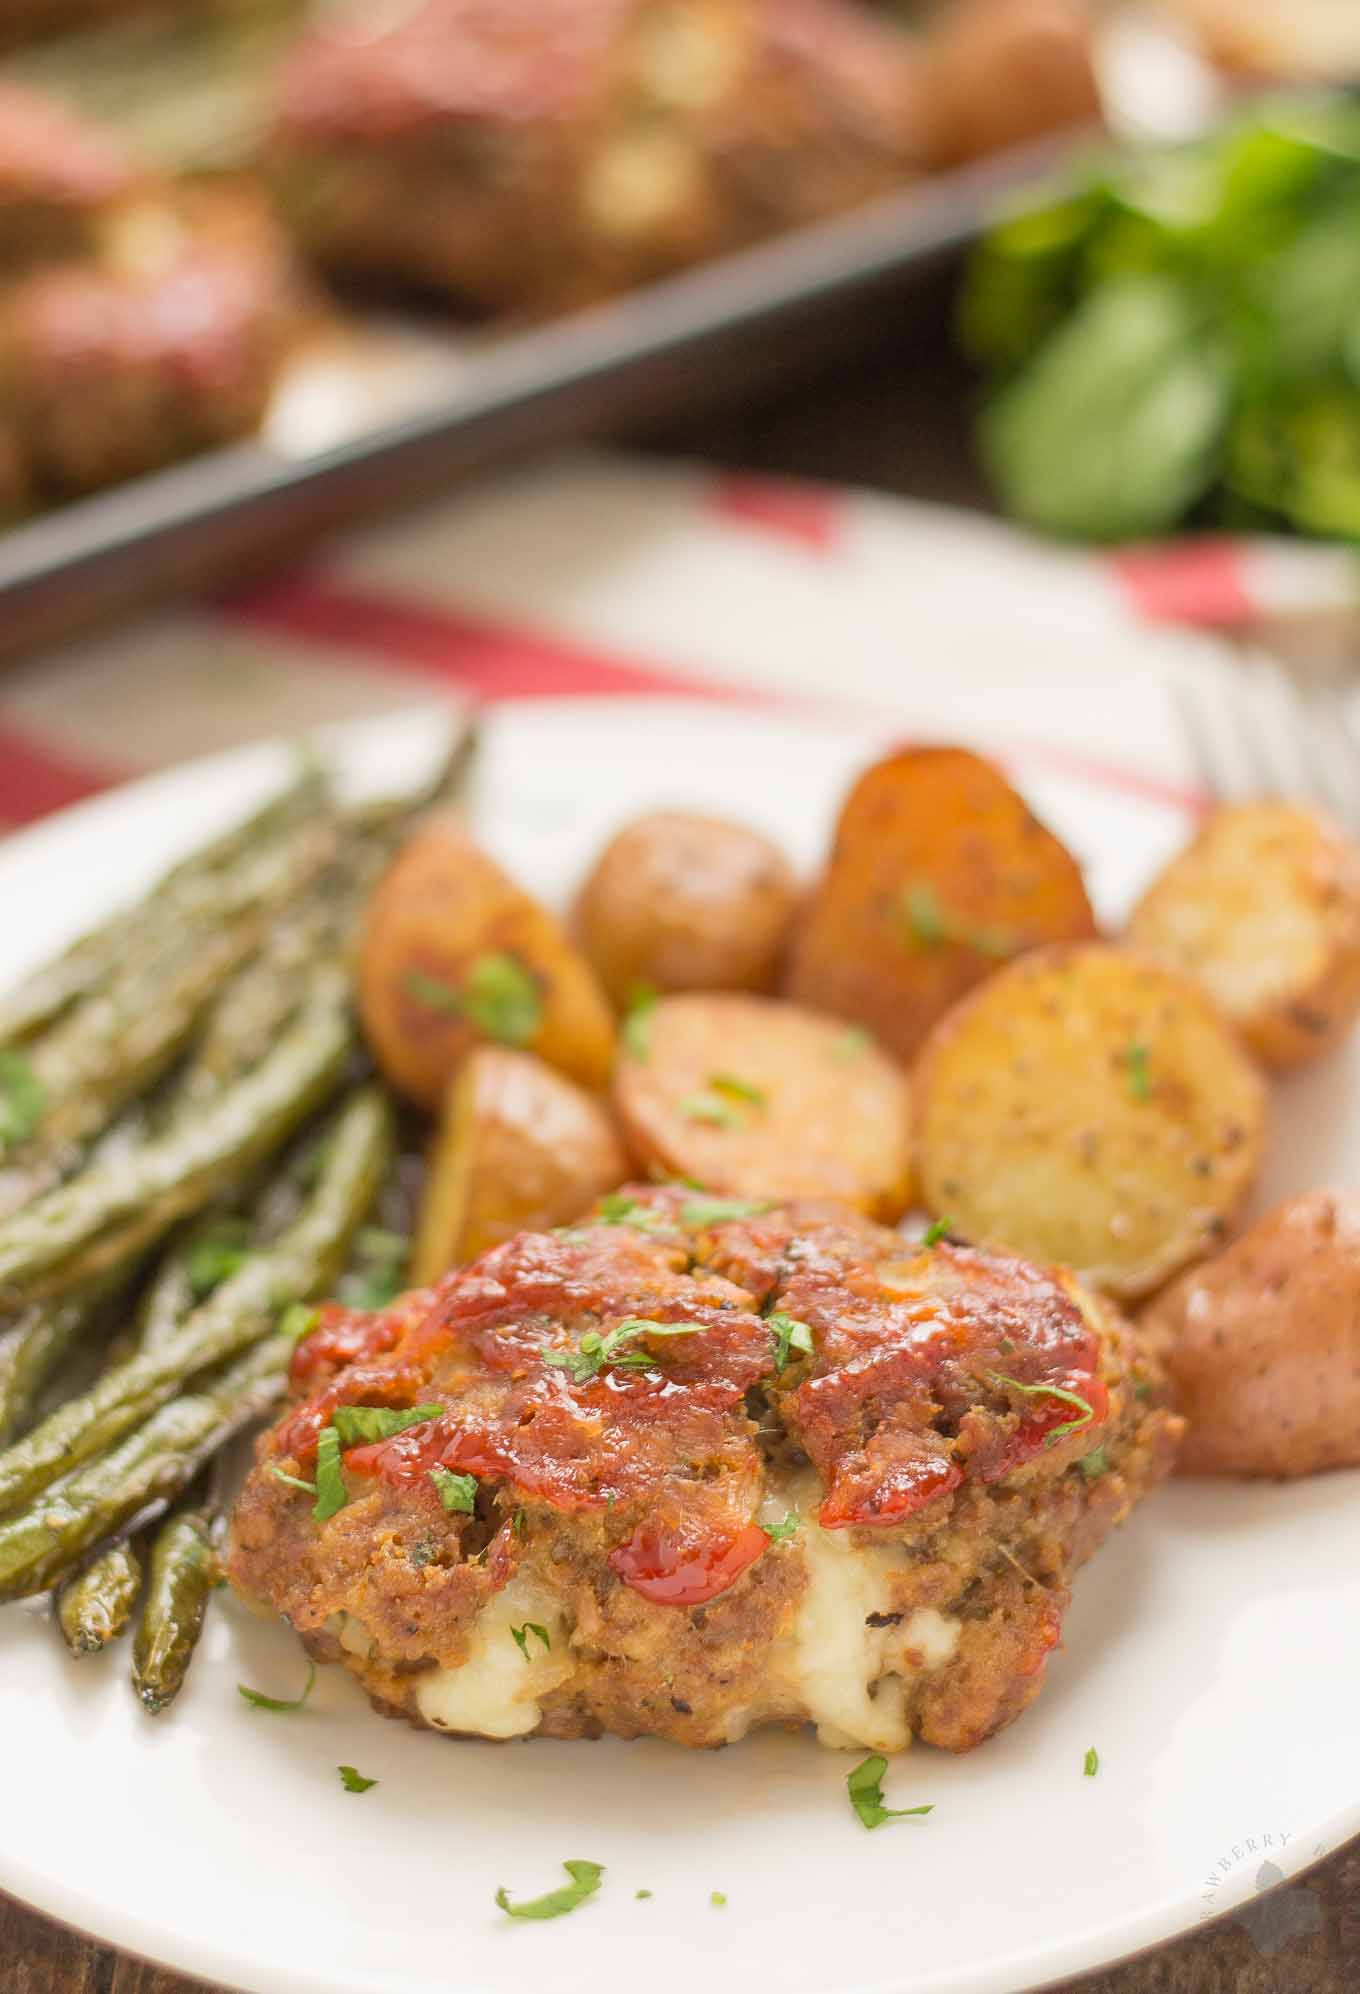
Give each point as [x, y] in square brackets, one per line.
[1263, 909]
[684, 902]
[1088, 1107]
[442, 905]
[832, 1120]
[1263, 1344]
[520, 1149]
[942, 831]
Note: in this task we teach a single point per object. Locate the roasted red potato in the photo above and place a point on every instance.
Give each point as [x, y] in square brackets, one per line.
[939, 873]
[757, 1099]
[455, 954]
[1263, 1344]
[1263, 909]
[521, 1149]
[1089, 1108]
[680, 902]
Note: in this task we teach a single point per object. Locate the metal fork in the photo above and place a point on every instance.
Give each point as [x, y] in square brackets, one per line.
[1264, 728]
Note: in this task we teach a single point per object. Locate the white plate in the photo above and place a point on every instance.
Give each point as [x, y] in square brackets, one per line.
[1210, 1654]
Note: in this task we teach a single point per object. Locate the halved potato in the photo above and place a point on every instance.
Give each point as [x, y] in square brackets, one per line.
[939, 873]
[1263, 1344]
[519, 1149]
[454, 954]
[1089, 1107]
[1263, 909]
[758, 1099]
[686, 903]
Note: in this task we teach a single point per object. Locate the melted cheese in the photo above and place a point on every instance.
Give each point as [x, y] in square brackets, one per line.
[848, 1676]
[833, 1667]
[497, 1693]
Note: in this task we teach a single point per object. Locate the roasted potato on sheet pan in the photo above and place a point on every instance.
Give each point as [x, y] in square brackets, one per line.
[454, 953]
[1263, 909]
[939, 873]
[760, 1099]
[520, 1149]
[682, 902]
[1088, 1107]
[1263, 1344]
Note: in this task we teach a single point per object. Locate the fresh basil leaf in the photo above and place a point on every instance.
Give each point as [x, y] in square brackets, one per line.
[865, 1787]
[1116, 425]
[260, 1701]
[298, 1320]
[360, 1425]
[1086, 1411]
[330, 1483]
[520, 1637]
[458, 1493]
[585, 1881]
[293, 1481]
[719, 1211]
[637, 1022]
[788, 1334]
[706, 1106]
[732, 1087]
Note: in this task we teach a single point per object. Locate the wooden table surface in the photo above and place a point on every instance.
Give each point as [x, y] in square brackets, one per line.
[901, 426]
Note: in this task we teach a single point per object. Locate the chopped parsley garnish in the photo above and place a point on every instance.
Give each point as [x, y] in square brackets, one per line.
[330, 1483]
[595, 1353]
[498, 996]
[637, 1020]
[293, 1481]
[298, 1321]
[1142, 1389]
[852, 1044]
[22, 1099]
[929, 926]
[865, 1787]
[1095, 1464]
[937, 1230]
[718, 1898]
[260, 1701]
[457, 1492]
[733, 1088]
[585, 1881]
[216, 1256]
[718, 1211]
[706, 1106]
[1086, 1412]
[380, 1273]
[619, 1209]
[780, 1533]
[789, 1334]
[1136, 1058]
[519, 1522]
[640, 1894]
[520, 1637]
[361, 1425]
[1091, 1764]
[352, 1781]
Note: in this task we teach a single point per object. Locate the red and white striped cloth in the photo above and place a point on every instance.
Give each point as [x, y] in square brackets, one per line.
[594, 575]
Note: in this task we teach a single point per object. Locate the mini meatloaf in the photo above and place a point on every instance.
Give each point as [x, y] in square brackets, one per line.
[537, 152]
[61, 181]
[696, 1466]
[166, 344]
